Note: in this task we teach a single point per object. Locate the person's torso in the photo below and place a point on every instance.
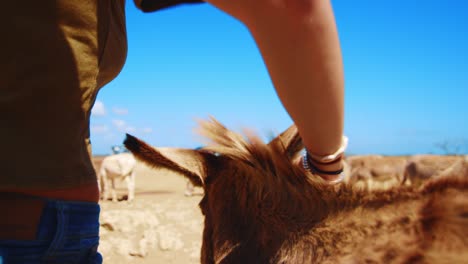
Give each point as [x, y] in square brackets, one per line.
[55, 57]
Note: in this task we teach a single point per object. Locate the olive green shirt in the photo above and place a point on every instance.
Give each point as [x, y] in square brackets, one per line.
[55, 56]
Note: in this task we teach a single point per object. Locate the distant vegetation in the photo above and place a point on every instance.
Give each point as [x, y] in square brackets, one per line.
[452, 147]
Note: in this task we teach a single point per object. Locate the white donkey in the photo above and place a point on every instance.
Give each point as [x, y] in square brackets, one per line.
[119, 166]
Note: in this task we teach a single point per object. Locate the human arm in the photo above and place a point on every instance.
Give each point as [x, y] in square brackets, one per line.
[299, 43]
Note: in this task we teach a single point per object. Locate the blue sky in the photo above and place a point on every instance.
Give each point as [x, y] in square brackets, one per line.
[406, 75]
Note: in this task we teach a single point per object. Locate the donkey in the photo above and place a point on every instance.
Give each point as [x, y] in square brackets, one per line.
[118, 166]
[422, 167]
[375, 171]
[260, 206]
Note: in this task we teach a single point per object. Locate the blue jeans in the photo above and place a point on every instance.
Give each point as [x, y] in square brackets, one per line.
[68, 232]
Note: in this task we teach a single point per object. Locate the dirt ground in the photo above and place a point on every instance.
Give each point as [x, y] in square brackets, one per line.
[160, 226]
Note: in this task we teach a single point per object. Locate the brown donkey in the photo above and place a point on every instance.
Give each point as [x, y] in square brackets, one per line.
[260, 207]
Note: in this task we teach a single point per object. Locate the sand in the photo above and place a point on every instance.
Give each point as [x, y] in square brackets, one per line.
[160, 226]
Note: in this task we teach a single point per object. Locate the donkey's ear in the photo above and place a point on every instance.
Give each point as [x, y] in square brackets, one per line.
[289, 142]
[190, 163]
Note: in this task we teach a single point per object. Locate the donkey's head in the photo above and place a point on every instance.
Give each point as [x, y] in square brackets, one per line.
[255, 194]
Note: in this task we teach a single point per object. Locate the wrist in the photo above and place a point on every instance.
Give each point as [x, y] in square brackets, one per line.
[328, 157]
[328, 167]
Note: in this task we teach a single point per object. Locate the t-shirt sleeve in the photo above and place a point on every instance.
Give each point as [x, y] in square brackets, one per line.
[155, 5]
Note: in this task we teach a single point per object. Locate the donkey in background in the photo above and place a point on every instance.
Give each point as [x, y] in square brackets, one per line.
[261, 207]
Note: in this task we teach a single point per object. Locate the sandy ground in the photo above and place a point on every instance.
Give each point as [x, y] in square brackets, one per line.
[160, 226]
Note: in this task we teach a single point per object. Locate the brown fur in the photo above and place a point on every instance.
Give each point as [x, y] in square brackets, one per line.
[260, 207]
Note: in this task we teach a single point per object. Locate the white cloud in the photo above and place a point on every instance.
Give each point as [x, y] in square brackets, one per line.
[99, 129]
[98, 109]
[147, 130]
[120, 111]
[110, 137]
[122, 126]
[130, 129]
[119, 124]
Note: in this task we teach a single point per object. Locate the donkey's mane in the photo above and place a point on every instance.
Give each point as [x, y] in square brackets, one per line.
[274, 158]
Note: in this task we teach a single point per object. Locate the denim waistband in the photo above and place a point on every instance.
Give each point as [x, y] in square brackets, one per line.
[74, 219]
[68, 232]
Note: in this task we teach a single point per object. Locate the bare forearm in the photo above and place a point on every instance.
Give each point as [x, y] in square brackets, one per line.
[299, 43]
[304, 60]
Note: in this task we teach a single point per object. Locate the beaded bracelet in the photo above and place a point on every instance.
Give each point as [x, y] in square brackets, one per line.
[334, 156]
[309, 166]
[328, 159]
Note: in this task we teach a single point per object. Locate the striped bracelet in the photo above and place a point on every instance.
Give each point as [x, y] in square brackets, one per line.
[309, 166]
